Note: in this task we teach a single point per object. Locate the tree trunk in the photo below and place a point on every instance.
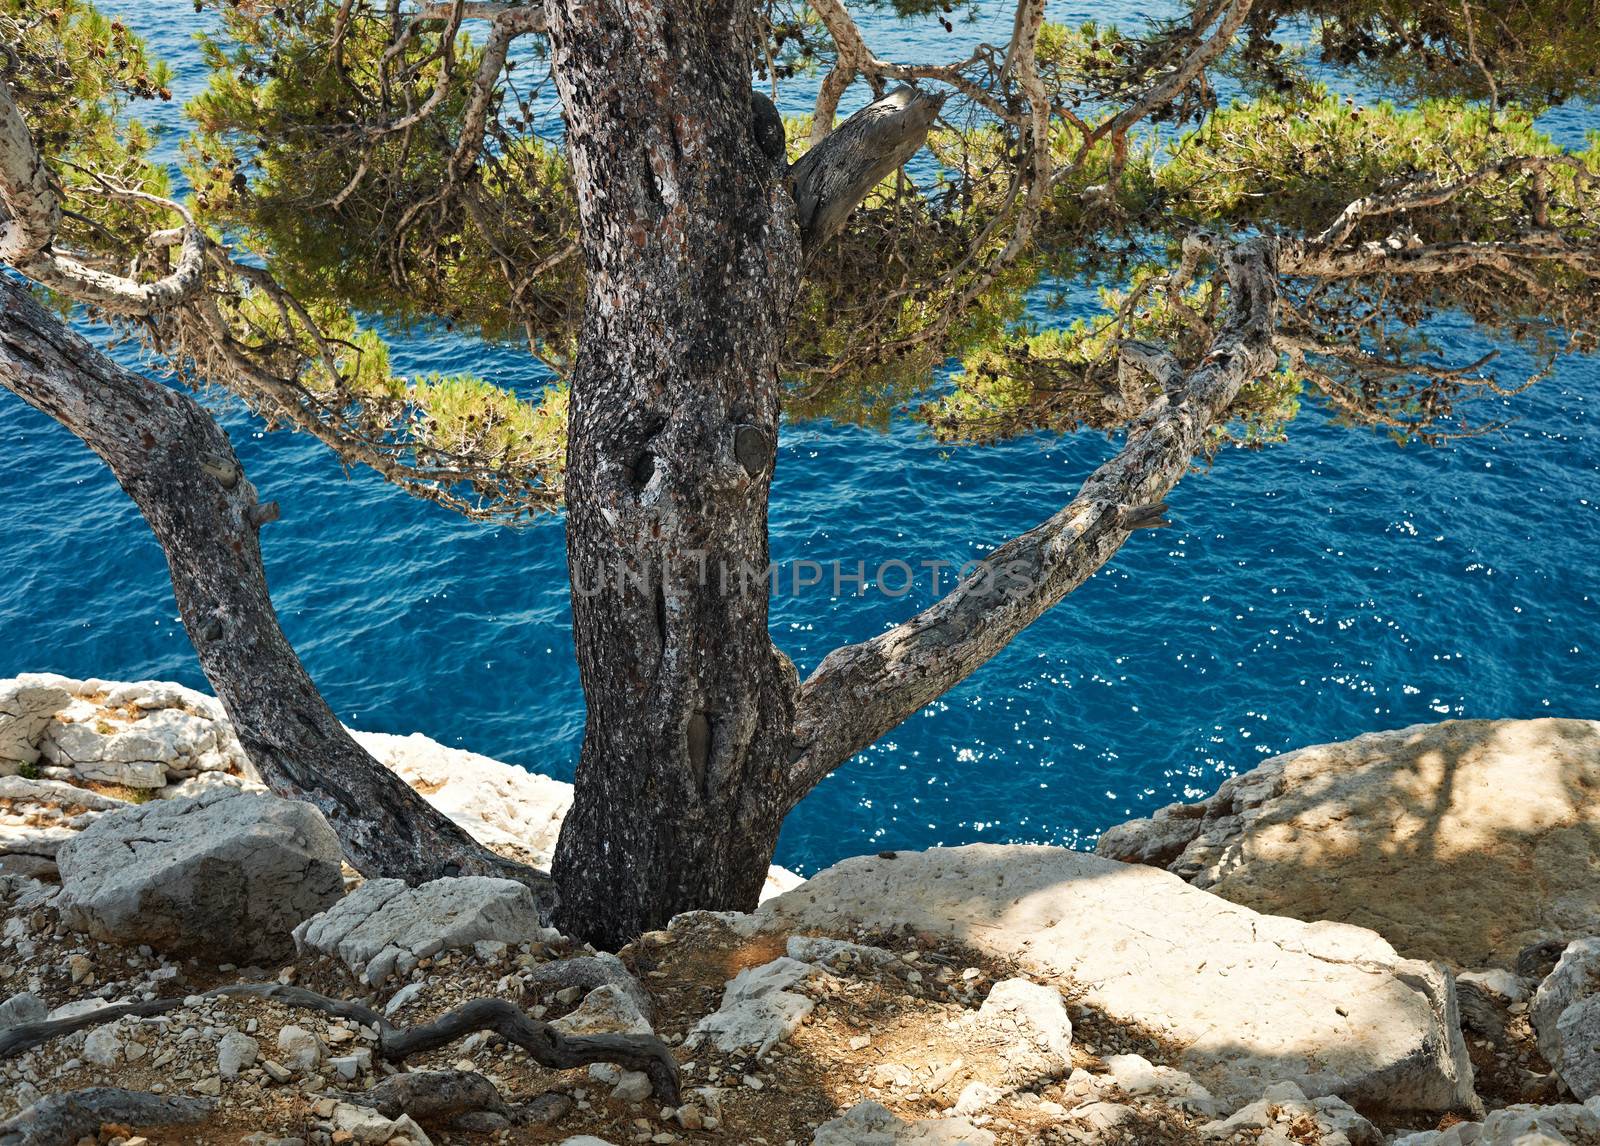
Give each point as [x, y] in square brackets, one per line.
[177, 464]
[692, 248]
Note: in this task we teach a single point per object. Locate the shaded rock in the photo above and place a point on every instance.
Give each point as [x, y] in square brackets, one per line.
[1567, 1125]
[869, 1124]
[757, 1008]
[27, 707]
[231, 875]
[23, 1008]
[1033, 1029]
[385, 927]
[1565, 1015]
[1486, 998]
[1286, 1115]
[1245, 998]
[1370, 830]
[1137, 1076]
[607, 1009]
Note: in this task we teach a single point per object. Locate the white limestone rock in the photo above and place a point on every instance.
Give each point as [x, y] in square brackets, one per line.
[230, 875]
[1569, 1124]
[110, 755]
[1248, 998]
[369, 1128]
[757, 1008]
[55, 793]
[1033, 1028]
[299, 1048]
[235, 1051]
[498, 804]
[1565, 1015]
[608, 1009]
[27, 707]
[1138, 1077]
[838, 953]
[384, 927]
[22, 1008]
[870, 1124]
[1285, 1114]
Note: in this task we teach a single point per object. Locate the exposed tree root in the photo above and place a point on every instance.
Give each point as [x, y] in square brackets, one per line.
[548, 1046]
[62, 1119]
[433, 1095]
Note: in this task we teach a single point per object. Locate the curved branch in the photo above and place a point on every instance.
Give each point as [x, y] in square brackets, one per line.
[176, 463]
[833, 177]
[859, 692]
[27, 236]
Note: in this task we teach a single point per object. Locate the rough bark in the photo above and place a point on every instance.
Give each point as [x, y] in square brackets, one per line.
[177, 464]
[63, 1119]
[688, 231]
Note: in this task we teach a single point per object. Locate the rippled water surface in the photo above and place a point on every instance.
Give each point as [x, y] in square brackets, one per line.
[1328, 587]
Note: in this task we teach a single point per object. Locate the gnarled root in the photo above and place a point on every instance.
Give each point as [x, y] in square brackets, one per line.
[62, 1119]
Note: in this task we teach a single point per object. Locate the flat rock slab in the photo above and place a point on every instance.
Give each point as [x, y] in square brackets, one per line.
[385, 927]
[1409, 833]
[227, 874]
[1243, 999]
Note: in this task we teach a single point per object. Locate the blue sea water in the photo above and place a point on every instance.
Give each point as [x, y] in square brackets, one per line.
[1331, 586]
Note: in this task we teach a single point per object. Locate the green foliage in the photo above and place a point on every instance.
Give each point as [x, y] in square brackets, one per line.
[286, 154]
[76, 74]
[312, 156]
[1536, 52]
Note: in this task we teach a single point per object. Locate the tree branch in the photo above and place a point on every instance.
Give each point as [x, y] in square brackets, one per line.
[177, 464]
[833, 177]
[27, 237]
[861, 691]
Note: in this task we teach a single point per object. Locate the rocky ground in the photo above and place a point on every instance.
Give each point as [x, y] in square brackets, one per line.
[185, 959]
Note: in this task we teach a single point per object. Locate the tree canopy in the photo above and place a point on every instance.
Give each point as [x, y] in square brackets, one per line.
[361, 169]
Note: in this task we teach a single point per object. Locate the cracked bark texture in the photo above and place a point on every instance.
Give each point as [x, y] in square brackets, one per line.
[176, 463]
[693, 253]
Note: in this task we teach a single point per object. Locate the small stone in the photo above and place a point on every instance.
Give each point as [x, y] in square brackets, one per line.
[102, 1046]
[79, 967]
[633, 1086]
[276, 1070]
[211, 1085]
[235, 1052]
[860, 1042]
[349, 1067]
[300, 1048]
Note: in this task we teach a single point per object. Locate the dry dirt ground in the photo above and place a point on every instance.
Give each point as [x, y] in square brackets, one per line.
[901, 1036]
